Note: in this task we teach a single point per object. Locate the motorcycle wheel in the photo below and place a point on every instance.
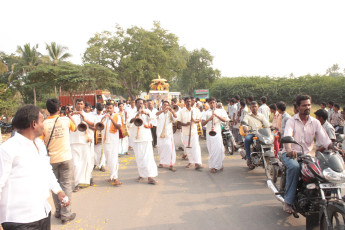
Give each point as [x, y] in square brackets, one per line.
[230, 148]
[336, 215]
[268, 168]
[281, 181]
[275, 173]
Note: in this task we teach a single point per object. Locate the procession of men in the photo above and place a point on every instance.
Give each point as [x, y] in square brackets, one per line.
[82, 139]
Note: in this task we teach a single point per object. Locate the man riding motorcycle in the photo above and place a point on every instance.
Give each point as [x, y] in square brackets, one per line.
[256, 121]
[303, 128]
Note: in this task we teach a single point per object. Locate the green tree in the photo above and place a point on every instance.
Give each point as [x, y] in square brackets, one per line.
[30, 58]
[199, 73]
[333, 71]
[136, 56]
[57, 53]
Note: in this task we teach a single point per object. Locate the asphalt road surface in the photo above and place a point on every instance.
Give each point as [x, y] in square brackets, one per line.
[186, 199]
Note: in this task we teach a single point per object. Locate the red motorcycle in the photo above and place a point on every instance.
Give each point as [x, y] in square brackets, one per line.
[318, 195]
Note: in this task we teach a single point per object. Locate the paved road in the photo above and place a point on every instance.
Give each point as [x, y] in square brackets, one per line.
[187, 199]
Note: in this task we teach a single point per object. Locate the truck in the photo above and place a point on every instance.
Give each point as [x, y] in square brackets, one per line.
[93, 97]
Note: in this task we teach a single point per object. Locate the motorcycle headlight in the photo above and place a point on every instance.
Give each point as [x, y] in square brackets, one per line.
[333, 176]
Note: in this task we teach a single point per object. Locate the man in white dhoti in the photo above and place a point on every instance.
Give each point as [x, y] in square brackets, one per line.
[131, 112]
[99, 158]
[123, 146]
[142, 143]
[212, 118]
[189, 118]
[165, 137]
[110, 142]
[82, 147]
[178, 129]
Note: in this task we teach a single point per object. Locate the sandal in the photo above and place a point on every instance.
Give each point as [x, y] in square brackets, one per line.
[197, 167]
[152, 181]
[160, 166]
[171, 168]
[188, 166]
[139, 179]
[287, 208]
[76, 188]
[213, 170]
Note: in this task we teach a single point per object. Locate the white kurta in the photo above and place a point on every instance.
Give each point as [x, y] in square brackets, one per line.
[142, 145]
[193, 153]
[166, 145]
[123, 145]
[215, 143]
[111, 146]
[131, 112]
[82, 152]
[178, 135]
[99, 158]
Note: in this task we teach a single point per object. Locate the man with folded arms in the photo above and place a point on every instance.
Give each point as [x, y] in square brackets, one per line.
[26, 175]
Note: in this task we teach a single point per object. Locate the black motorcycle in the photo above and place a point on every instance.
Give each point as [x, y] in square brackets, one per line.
[318, 195]
[228, 139]
[262, 151]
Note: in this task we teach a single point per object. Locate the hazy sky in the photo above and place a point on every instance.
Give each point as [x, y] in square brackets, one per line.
[246, 37]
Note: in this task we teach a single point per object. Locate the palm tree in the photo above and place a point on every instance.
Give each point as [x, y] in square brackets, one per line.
[30, 57]
[56, 54]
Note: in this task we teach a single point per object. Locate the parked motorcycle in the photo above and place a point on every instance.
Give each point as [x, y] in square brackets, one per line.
[5, 127]
[262, 151]
[228, 139]
[318, 195]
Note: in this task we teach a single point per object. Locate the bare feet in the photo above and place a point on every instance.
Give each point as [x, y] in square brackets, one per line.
[213, 170]
[197, 167]
[188, 166]
[116, 182]
[138, 179]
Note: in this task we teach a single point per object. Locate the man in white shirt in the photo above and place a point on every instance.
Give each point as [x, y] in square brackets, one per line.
[236, 125]
[142, 143]
[281, 107]
[131, 112]
[110, 142]
[255, 121]
[178, 132]
[212, 118]
[323, 105]
[26, 175]
[322, 116]
[153, 112]
[264, 109]
[189, 117]
[99, 157]
[82, 147]
[330, 110]
[165, 139]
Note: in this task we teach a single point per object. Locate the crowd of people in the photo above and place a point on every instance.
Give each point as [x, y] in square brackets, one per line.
[76, 141]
